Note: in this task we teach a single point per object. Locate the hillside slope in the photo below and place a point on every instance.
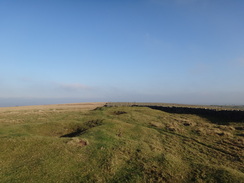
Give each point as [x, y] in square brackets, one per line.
[118, 144]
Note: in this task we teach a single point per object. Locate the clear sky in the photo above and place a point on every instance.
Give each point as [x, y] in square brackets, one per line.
[175, 51]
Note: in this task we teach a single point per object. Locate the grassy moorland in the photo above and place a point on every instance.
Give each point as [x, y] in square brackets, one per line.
[78, 143]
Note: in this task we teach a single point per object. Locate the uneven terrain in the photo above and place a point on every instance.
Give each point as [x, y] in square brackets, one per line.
[118, 143]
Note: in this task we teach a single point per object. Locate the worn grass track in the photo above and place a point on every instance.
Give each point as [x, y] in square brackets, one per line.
[117, 144]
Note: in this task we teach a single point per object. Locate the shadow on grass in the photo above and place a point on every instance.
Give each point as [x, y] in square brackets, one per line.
[221, 117]
[76, 133]
[87, 125]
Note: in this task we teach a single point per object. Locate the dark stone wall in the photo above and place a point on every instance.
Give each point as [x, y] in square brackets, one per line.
[217, 116]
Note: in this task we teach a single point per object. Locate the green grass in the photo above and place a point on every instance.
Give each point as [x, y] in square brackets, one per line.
[118, 144]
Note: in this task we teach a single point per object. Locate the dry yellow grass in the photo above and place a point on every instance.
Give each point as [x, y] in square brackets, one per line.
[72, 106]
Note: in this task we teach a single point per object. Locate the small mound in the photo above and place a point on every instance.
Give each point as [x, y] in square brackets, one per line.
[78, 142]
[94, 123]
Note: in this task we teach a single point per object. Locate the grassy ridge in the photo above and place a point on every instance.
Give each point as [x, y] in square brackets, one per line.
[118, 144]
[216, 107]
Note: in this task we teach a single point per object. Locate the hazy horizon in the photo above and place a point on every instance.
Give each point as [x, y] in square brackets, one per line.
[216, 100]
[171, 51]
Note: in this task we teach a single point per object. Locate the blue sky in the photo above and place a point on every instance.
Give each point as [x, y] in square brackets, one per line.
[177, 51]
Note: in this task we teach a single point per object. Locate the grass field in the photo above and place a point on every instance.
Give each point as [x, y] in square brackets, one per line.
[91, 143]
